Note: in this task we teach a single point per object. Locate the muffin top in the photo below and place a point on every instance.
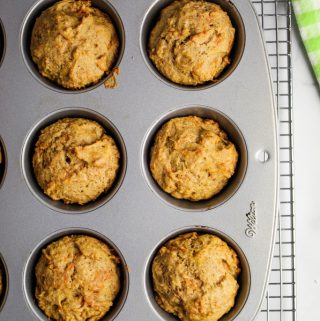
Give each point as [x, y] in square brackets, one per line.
[192, 158]
[74, 44]
[191, 42]
[77, 278]
[75, 161]
[195, 277]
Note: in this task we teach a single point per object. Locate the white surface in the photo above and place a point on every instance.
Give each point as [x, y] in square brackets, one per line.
[306, 106]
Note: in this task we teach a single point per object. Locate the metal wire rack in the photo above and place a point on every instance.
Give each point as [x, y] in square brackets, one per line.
[280, 300]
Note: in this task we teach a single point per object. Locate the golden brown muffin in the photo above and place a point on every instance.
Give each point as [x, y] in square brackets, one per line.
[192, 158]
[195, 277]
[77, 279]
[75, 161]
[191, 42]
[74, 44]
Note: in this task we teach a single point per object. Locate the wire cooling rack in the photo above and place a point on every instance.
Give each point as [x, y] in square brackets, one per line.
[280, 300]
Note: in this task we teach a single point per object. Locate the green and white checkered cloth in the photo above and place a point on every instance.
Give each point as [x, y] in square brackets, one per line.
[308, 17]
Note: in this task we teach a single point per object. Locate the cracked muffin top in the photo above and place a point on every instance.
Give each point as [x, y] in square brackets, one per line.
[74, 44]
[195, 277]
[75, 160]
[191, 42]
[77, 278]
[192, 158]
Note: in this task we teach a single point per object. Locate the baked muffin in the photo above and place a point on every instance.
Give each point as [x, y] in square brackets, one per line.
[75, 161]
[192, 158]
[77, 278]
[195, 277]
[74, 44]
[191, 42]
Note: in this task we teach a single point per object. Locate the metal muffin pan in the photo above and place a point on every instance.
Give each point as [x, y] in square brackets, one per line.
[138, 217]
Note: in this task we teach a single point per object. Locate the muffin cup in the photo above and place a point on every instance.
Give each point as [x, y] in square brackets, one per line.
[3, 43]
[29, 280]
[152, 16]
[28, 150]
[25, 40]
[234, 135]
[244, 278]
[3, 165]
[5, 282]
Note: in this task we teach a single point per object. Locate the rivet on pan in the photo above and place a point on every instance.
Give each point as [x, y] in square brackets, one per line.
[262, 156]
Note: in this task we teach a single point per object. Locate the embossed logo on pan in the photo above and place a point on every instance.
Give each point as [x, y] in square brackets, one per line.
[251, 228]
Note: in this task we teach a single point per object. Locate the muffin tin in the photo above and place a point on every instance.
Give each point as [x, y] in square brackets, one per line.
[136, 217]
